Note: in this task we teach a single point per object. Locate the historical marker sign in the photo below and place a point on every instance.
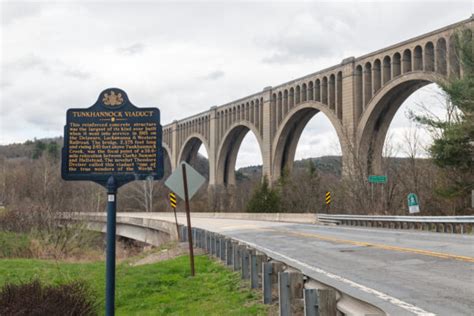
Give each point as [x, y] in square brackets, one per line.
[112, 142]
[112, 138]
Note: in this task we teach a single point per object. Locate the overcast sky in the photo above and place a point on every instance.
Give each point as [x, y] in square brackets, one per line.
[185, 57]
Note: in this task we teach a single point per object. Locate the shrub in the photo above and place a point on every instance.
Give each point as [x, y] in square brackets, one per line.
[36, 299]
[14, 245]
[264, 199]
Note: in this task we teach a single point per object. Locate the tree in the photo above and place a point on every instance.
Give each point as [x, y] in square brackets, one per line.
[453, 136]
[264, 199]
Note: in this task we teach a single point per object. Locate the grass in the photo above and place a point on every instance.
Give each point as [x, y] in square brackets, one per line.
[163, 288]
[14, 245]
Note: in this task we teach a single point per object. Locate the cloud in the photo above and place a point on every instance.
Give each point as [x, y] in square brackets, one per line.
[131, 50]
[189, 56]
[307, 36]
[78, 74]
[28, 63]
[13, 12]
[214, 75]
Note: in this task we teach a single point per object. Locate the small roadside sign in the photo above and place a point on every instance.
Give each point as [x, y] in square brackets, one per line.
[328, 198]
[173, 200]
[173, 206]
[175, 181]
[377, 179]
[413, 204]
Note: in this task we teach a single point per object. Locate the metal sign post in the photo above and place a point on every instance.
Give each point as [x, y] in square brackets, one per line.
[376, 179]
[110, 255]
[188, 218]
[185, 182]
[113, 142]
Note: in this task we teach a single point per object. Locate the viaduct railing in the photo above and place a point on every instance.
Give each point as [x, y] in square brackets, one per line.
[446, 224]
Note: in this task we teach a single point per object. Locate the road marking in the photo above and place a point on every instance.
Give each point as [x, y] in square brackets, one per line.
[380, 246]
[395, 301]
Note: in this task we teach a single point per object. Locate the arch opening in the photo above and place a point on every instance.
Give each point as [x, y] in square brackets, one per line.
[229, 151]
[195, 153]
[167, 167]
[404, 138]
[429, 58]
[304, 135]
[381, 112]
[307, 159]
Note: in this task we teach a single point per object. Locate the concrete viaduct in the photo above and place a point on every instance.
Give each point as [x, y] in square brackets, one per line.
[360, 96]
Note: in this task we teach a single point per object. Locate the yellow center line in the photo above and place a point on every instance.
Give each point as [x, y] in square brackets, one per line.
[379, 246]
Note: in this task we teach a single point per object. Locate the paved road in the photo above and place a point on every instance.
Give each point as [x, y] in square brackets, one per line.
[402, 272]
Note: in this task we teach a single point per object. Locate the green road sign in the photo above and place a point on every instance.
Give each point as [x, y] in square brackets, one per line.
[377, 179]
[413, 205]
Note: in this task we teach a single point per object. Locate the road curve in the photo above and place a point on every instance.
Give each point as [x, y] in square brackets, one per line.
[401, 272]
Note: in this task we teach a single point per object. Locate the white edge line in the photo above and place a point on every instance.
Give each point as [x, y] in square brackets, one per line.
[395, 301]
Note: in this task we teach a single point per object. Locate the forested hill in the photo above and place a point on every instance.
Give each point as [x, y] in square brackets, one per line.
[32, 148]
[327, 164]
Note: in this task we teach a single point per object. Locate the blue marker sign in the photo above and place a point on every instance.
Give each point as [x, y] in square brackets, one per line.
[112, 142]
[112, 138]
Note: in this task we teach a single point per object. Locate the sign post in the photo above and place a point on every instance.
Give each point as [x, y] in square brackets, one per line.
[376, 179]
[113, 142]
[185, 182]
[188, 219]
[110, 240]
[413, 205]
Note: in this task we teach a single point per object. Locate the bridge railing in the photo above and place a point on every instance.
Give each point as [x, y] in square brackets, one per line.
[452, 224]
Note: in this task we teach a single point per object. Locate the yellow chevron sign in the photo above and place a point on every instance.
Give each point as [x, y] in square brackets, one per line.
[328, 198]
[173, 200]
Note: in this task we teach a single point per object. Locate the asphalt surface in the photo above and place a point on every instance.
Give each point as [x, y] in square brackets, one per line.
[402, 272]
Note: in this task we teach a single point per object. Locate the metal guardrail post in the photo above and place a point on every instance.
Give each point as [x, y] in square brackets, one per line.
[213, 244]
[267, 270]
[284, 293]
[311, 302]
[256, 261]
[236, 256]
[245, 262]
[270, 280]
[208, 242]
[218, 246]
[229, 252]
[223, 248]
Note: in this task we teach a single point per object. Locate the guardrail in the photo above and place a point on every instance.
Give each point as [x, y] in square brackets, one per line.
[289, 288]
[281, 284]
[446, 224]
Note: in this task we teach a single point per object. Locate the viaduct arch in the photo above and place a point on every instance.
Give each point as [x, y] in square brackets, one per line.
[360, 96]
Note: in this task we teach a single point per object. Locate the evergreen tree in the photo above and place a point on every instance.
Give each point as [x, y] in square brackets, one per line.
[264, 199]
